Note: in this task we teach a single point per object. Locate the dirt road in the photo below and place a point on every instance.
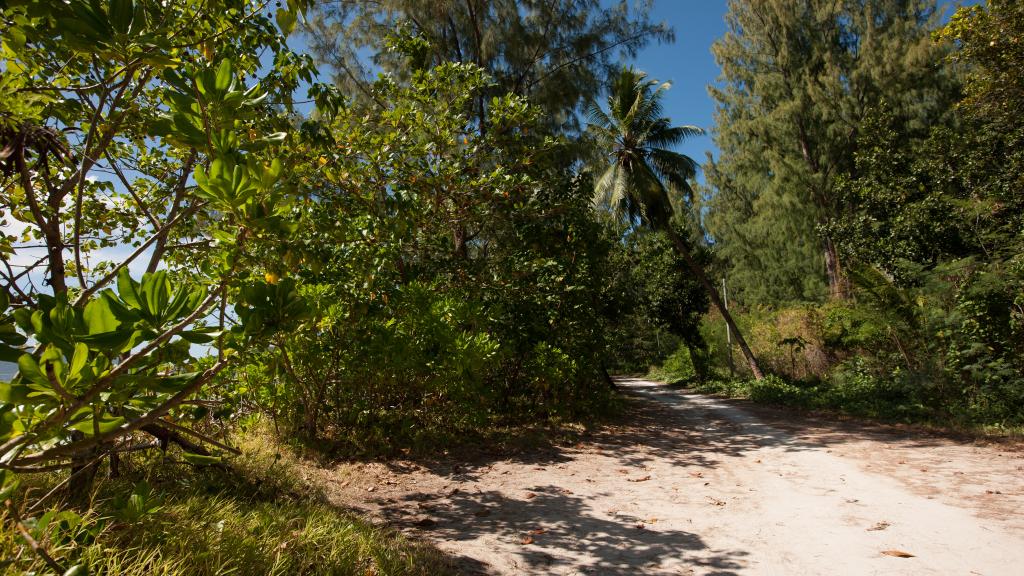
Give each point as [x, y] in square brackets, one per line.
[698, 485]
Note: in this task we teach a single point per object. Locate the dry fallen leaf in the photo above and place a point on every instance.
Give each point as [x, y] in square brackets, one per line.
[897, 553]
[644, 479]
[879, 526]
[538, 531]
[697, 474]
[530, 495]
[526, 540]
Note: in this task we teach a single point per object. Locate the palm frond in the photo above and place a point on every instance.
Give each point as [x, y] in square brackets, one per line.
[650, 196]
[667, 136]
[645, 177]
[604, 187]
[669, 163]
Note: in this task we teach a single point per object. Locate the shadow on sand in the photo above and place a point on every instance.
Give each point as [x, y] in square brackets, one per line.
[563, 526]
[663, 424]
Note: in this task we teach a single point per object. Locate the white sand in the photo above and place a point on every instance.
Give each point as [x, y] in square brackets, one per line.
[698, 485]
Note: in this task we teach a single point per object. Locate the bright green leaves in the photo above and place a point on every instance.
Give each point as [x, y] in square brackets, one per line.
[248, 193]
[266, 308]
[288, 15]
[156, 300]
[10, 340]
[204, 105]
[32, 374]
[91, 425]
[142, 502]
[155, 92]
[201, 459]
[99, 316]
[112, 322]
[116, 29]
[286, 19]
[229, 186]
[78, 347]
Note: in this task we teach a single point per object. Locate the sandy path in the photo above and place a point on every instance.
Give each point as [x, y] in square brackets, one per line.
[698, 485]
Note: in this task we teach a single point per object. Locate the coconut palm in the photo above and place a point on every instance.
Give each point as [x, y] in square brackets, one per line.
[644, 178]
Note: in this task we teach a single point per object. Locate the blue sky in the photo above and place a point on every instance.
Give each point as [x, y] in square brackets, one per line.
[688, 64]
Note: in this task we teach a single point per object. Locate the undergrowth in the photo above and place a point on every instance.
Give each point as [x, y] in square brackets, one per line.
[871, 400]
[255, 517]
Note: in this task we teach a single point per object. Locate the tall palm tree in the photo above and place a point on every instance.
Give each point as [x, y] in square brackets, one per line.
[643, 174]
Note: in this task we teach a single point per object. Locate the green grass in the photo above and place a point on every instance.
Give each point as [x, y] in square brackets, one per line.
[866, 399]
[259, 518]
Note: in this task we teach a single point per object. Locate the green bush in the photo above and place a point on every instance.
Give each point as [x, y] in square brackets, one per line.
[678, 367]
[775, 390]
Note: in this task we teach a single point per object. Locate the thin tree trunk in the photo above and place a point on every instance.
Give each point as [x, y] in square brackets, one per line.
[608, 379]
[716, 301]
[83, 473]
[459, 242]
[838, 284]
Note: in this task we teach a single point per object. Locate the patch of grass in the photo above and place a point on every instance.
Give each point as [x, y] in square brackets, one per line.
[876, 401]
[257, 517]
[492, 439]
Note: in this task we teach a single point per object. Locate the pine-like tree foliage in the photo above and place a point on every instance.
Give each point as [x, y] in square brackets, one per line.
[558, 53]
[798, 77]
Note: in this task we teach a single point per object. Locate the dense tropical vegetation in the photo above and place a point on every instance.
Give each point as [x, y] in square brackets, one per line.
[868, 216]
[452, 219]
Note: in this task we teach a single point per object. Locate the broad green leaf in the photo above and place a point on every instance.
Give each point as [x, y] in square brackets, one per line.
[224, 76]
[196, 337]
[106, 423]
[79, 359]
[99, 318]
[200, 459]
[121, 13]
[127, 288]
[13, 392]
[286, 20]
[30, 370]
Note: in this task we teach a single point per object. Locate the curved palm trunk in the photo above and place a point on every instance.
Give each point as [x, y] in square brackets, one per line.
[698, 271]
